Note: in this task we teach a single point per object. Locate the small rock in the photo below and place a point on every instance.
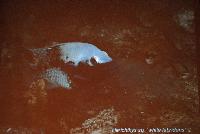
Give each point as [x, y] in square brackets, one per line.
[185, 19]
[149, 60]
[185, 75]
[103, 123]
[150, 57]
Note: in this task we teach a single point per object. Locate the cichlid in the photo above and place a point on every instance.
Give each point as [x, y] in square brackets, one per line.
[72, 52]
[56, 78]
[77, 52]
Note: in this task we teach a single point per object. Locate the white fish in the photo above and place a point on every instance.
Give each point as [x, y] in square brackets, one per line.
[73, 52]
[77, 52]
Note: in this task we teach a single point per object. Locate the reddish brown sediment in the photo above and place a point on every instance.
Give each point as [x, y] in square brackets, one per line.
[151, 81]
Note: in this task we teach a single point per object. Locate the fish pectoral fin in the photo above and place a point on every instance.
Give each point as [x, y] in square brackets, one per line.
[75, 64]
[90, 63]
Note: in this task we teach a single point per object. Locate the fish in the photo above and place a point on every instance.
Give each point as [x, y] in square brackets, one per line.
[72, 53]
[55, 77]
[76, 52]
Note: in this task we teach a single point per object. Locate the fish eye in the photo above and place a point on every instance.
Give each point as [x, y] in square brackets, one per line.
[93, 60]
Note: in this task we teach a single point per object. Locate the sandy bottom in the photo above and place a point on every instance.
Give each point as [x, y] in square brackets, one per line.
[151, 82]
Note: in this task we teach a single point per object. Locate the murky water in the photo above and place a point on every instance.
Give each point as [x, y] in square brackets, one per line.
[151, 81]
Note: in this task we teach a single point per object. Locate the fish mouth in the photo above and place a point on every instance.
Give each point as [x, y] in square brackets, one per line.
[108, 59]
[102, 60]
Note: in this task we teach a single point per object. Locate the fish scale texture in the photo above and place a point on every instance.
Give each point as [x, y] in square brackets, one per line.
[56, 77]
